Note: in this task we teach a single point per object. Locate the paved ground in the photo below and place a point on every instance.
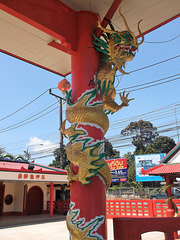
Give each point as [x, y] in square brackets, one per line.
[49, 229]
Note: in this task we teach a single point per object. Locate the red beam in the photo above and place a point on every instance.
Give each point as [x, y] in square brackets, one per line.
[60, 47]
[49, 16]
[108, 16]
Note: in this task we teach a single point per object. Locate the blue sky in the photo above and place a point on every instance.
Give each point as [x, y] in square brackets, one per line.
[21, 82]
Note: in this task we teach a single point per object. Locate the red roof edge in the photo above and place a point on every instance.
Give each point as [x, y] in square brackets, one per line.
[169, 154]
[144, 172]
[33, 63]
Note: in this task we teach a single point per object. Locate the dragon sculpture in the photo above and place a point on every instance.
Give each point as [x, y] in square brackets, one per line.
[82, 150]
[87, 117]
[116, 49]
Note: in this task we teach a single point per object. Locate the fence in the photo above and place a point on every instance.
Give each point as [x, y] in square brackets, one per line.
[130, 191]
[60, 207]
[125, 208]
[138, 208]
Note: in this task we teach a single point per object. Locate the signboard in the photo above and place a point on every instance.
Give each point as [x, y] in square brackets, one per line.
[146, 162]
[37, 177]
[118, 167]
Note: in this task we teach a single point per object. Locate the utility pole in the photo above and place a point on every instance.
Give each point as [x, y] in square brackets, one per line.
[61, 162]
[176, 121]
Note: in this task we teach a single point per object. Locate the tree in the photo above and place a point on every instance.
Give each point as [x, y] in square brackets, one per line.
[2, 150]
[161, 144]
[56, 162]
[108, 149]
[131, 179]
[27, 154]
[142, 132]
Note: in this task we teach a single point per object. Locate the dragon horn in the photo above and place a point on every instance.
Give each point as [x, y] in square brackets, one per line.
[104, 29]
[140, 34]
[125, 22]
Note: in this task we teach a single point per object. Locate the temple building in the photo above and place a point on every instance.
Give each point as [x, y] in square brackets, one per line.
[28, 188]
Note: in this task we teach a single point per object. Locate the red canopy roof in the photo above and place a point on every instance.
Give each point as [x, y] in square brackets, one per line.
[163, 169]
[166, 166]
[23, 167]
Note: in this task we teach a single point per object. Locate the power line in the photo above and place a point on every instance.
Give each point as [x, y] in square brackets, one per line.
[154, 64]
[28, 118]
[54, 135]
[29, 121]
[143, 84]
[164, 41]
[23, 106]
[153, 85]
[147, 113]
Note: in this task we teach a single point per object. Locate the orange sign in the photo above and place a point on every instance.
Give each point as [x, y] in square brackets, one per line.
[118, 163]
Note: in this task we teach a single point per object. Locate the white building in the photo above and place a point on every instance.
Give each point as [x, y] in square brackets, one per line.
[29, 188]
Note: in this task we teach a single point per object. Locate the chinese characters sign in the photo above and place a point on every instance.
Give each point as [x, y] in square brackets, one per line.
[26, 176]
[118, 167]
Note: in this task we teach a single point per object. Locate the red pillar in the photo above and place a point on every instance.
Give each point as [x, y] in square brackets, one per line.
[51, 199]
[170, 211]
[88, 201]
[85, 62]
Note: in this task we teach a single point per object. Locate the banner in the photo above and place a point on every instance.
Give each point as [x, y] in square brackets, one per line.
[118, 167]
[146, 162]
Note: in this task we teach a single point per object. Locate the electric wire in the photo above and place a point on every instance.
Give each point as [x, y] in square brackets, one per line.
[29, 121]
[151, 65]
[153, 85]
[115, 125]
[27, 118]
[143, 84]
[172, 39]
[23, 106]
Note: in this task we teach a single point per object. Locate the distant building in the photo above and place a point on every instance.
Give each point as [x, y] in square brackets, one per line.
[26, 188]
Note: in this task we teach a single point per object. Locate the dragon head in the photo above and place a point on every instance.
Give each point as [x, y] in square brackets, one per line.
[118, 47]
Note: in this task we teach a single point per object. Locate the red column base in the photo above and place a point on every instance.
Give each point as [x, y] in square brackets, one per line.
[170, 212]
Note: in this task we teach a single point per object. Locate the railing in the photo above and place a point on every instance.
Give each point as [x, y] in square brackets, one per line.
[129, 208]
[60, 207]
[125, 208]
[138, 208]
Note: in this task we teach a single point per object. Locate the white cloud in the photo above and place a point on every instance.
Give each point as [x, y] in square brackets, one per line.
[40, 146]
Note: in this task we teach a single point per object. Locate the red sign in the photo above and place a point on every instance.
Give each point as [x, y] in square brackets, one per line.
[118, 167]
[117, 163]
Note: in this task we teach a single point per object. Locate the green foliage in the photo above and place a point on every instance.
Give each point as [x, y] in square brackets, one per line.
[56, 161]
[114, 187]
[67, 167]
[163, 144]
[2, 150]
[131, 182]
[142, 132]
[109, 151]
[150, 150]
[27, 154]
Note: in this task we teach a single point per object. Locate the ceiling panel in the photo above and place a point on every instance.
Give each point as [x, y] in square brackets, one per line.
[25, 41]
